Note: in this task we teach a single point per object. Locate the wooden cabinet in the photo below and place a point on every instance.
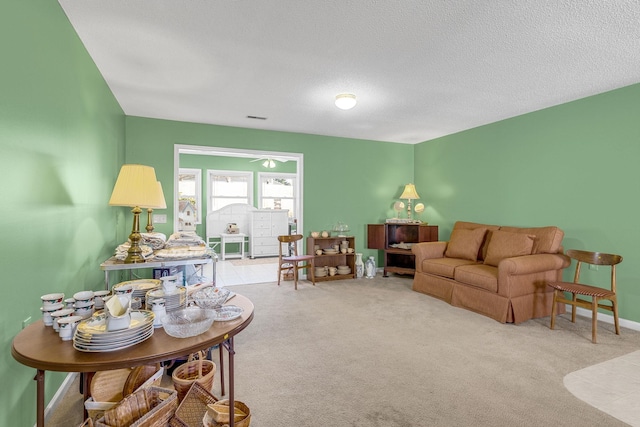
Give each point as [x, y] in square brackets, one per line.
[266, 226]
[332, 260]
[387, 237]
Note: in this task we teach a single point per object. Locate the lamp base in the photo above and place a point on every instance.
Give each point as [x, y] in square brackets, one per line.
[149, 226]
[134, 254]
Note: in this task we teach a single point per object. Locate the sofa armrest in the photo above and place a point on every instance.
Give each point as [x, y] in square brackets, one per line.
[533, 264]
[529, 274]
[427, 250]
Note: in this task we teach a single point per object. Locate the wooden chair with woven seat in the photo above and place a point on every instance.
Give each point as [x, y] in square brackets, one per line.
[596, 293]
[294, 262]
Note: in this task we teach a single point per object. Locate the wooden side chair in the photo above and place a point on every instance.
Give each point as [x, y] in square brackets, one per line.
[595, 292]
[294, 262]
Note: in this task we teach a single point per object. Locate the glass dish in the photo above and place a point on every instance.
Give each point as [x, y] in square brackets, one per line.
[211, 297]
[188, 322]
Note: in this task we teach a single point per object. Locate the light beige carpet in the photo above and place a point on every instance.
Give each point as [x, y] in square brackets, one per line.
[612, 386]
[365, 353]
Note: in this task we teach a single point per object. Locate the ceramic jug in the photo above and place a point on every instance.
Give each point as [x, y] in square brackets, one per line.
[359, 266]
[370, 268]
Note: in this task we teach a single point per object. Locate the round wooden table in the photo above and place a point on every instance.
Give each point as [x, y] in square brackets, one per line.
[40, 347]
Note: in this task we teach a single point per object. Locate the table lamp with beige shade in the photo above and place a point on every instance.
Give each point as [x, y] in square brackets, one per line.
[410, 194]
[160, 203]
[136, 187]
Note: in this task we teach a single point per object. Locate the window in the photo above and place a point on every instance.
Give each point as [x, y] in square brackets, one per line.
[189, 195]
[277, 191]
[227, 187]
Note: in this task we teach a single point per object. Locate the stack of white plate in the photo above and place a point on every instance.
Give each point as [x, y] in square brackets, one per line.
[172, 300]
[330, 251]
[140, 287]
[92, 335]
[344, 269]
[320, 272]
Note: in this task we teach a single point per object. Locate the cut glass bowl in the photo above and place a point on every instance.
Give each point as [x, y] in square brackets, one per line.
[211, 297]
[188, 322]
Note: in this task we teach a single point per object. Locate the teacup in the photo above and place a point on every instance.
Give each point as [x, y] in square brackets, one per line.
[319, 252]
[57, 315]
[99, 299]
[350, 250]
[84, 303]
[169, 284]
[47, 311]
[67, 326]
[83, 296]
[85, 312]
[325, 234]
[123, 290]
[343, 250]
[68, 303]
[50, 299]
[332, 271]
[315, 234]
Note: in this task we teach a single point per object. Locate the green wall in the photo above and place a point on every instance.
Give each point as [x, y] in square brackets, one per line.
[207, 162]
[62, 143]
[349, 180]
[574, 166]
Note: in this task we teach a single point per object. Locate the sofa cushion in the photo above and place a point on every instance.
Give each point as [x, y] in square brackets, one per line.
[505, 244]
[478, 275]
[464, 244]
[444, 267]
[464, 225]
[547, 239]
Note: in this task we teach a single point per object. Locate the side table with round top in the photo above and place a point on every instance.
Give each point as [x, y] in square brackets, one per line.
[40, 347]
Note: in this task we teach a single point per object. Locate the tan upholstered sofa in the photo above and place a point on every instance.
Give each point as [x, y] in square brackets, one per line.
[497, 271]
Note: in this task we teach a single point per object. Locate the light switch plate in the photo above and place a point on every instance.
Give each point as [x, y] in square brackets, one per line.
[159, 219]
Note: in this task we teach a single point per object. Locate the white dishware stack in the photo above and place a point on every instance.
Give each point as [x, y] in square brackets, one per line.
[57, 315]
[85, 304]
[51, 303]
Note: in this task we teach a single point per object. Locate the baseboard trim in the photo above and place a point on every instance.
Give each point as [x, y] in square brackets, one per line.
[62, 391]
[607, 318]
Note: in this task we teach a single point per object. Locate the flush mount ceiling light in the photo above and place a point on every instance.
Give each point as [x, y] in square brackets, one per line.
[345, 101]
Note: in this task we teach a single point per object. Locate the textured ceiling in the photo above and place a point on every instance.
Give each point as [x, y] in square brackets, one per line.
[421, 69]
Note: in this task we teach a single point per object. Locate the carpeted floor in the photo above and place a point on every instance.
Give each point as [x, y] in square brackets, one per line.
[374, 353]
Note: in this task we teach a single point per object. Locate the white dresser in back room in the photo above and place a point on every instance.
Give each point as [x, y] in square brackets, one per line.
[266, 226]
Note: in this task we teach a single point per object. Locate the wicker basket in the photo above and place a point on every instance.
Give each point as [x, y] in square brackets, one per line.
[96, 408]
[148, 407]
[208, 421]
[195, 369]
[193, 407]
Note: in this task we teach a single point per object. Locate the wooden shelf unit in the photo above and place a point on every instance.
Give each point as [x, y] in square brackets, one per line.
[332, 260]
[400, 261]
